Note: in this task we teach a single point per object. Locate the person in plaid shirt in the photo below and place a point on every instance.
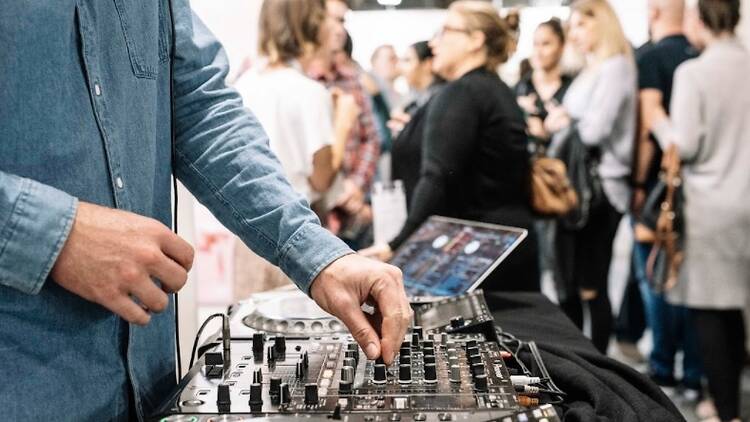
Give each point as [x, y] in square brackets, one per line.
[363, 148]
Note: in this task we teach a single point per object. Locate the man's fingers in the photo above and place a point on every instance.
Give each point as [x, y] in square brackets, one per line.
[392, 303]
[361, 329]
[129, 311]
[172, 275]
[178, 249]
[150, 296]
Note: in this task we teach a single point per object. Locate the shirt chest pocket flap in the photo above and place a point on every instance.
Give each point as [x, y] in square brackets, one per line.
[147, 30]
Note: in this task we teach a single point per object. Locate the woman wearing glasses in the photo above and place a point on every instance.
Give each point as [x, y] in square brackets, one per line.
[475, 161]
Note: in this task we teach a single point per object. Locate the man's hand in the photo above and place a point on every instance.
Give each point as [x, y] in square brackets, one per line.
[352, 280]
[111, 256]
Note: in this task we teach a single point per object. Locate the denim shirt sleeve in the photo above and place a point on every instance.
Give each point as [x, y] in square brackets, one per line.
[35, 220]
[223, 158]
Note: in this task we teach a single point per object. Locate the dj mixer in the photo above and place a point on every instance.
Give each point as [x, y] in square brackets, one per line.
[444, 371]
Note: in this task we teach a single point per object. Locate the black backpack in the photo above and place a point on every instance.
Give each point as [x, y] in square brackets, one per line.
[582, 162]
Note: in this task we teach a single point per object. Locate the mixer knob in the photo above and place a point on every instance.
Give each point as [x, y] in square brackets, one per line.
[306, 360]
[428, 344]
[474, 359]
[453, 360]
[345, 387]
[415, 340]
[280, 346]
[480, 382]
[404, 359]
[404, 373]
[379, 375]
[284, 396]
[258, 376]
[311, 394]
[352, 346]
[256, 395]
[457, 322]
[474, 350]
[404, 351]
[258, 340]
[379, 361]
[350, 362]
[347, 374]
[430, 373]
[222, 396]
[471, 343]
[275, 386]
[406, 344]
[354, 354]
[428, 350]
[419, 331]
[455, 373]
[477, 369]
[429, 359]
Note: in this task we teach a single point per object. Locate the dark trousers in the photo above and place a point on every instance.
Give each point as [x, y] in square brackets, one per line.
[721, 338]
[584, 257]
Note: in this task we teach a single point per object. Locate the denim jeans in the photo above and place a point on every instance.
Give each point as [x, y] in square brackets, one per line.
[670, 326]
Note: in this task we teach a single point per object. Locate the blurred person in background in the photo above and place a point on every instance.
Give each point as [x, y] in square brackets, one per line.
[385, 71]
[306, 130]
[377, 101]
[711, 121]
[601, 105]
[545, 84]
[475, 161]
[352, 217]
[670, 326]
[408, 124]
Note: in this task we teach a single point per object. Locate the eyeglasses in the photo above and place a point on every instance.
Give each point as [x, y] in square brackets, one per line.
[447, 28]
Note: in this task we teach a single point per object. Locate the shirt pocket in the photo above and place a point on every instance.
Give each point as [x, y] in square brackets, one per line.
[147, 30]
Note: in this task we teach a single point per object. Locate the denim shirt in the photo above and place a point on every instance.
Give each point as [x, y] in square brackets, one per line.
[85, 116]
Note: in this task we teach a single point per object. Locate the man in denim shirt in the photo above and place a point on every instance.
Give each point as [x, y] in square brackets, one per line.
[85, 128]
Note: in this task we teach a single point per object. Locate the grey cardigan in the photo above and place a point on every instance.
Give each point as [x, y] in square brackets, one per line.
[710, 113]
[602, 99]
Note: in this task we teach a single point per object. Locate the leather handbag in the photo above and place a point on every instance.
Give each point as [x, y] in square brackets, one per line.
[667, 223]
[551, 191]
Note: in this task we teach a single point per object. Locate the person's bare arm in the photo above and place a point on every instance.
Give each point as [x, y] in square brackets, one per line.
[650, 112]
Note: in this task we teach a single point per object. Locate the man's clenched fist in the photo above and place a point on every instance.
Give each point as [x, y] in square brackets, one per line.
[353, 280]
[111, 257]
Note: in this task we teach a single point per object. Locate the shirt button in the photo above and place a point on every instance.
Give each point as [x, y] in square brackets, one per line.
[97, 89]
[119, 183]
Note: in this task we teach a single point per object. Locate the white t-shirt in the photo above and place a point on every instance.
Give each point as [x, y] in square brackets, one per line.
[297, 115]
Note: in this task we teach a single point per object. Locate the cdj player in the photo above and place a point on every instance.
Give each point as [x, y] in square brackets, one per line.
[275, 368]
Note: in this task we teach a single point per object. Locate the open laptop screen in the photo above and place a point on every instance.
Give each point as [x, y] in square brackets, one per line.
[447, 257]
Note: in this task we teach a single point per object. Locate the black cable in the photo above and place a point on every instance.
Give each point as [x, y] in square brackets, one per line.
[200, 331]
[174, 180]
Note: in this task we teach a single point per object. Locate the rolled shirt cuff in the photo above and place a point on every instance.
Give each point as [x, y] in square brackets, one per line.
[38, 226]
[309, 251]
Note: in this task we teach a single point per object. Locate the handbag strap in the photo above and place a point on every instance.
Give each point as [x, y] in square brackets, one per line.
[666, 235]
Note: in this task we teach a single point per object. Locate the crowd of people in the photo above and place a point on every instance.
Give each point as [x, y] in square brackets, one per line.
[462, 140]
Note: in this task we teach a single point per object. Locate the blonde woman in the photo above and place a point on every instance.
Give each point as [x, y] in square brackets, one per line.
[475, 161]
[601, 106]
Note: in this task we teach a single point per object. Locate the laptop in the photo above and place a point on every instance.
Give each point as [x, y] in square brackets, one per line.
[448, 257]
